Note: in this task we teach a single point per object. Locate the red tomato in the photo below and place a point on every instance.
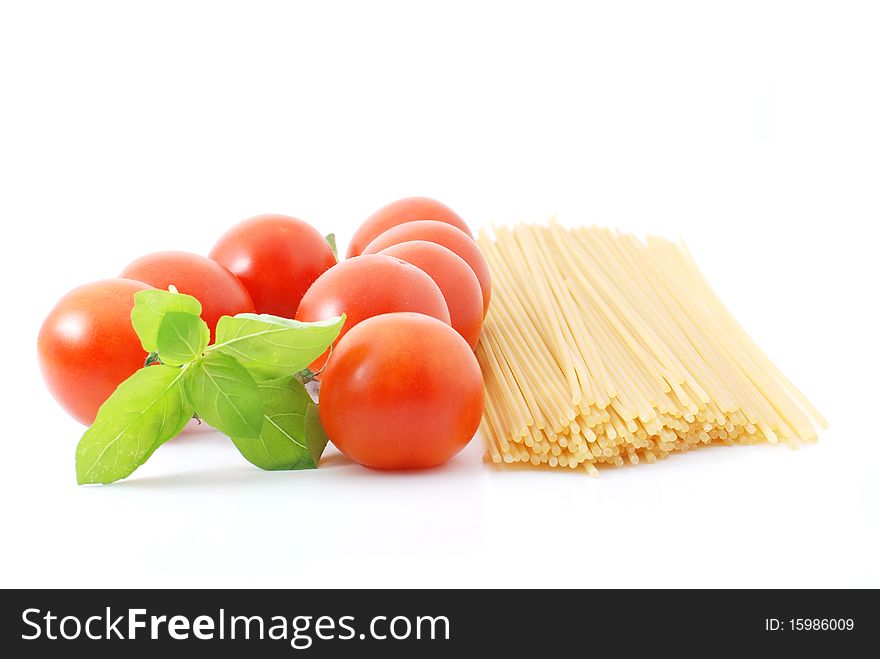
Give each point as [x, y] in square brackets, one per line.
[219, 291]
[277, 258]
[402, 391]
[366, 286]
[398, 212]
[447, 236]
[87, 345]
[457, 282]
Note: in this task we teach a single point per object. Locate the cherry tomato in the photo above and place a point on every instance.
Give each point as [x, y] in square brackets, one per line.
[219, 291]
[457, 282]
[277, 258]
[366, 286]
[87, 345]
[398, 212]
[442, 234]
[402, 391]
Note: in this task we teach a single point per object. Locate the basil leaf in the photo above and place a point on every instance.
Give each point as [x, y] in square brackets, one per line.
[315, 436]
[284, 440]
[145, 411]
[224, 394]
[182, 337]
[150, 307]
[271, 347]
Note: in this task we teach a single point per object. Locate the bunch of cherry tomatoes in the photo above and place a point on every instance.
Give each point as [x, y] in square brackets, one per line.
[400, 388]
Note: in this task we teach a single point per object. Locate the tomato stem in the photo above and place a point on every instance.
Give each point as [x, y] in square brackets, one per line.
[331, 240]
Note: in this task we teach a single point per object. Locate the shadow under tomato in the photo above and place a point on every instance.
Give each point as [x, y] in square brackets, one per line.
[337, 460]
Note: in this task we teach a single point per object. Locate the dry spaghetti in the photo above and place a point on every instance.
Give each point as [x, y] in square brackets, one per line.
[603, 349]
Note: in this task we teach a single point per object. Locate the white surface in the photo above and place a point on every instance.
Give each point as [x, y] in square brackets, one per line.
[751, 130]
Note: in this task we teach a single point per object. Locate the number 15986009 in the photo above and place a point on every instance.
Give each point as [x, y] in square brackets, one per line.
[809, 624]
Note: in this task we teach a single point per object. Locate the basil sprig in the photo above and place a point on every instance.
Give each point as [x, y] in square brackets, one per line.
[244, 385]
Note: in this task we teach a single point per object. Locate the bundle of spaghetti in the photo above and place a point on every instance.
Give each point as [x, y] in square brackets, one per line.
[601, 348]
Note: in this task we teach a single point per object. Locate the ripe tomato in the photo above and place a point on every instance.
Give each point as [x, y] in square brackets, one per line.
[402, 391]
[367, 286]
[447, 236]
[277, 258]
[457, 282]
[219, 291]
[398, 212]
[87, 345]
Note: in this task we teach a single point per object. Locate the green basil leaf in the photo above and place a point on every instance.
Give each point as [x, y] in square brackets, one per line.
[182, 337]
[145, 411]
[150, 307]
[316, 439]
[284, 439]
[271, 347]
[224, 394]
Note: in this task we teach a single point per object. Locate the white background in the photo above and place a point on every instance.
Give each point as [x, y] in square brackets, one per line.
[750, 129]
